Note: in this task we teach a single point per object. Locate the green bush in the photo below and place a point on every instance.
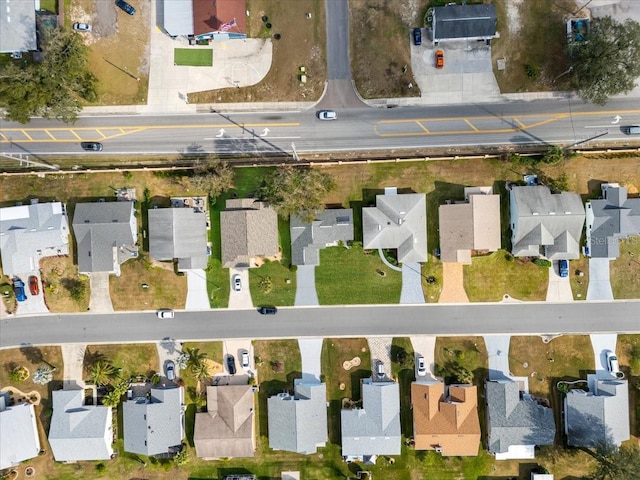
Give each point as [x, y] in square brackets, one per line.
[541, 262]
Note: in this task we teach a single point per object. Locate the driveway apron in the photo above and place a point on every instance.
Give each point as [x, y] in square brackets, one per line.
[453, 284]
[498, 351]
[425, 345]
[197, 297]
[306, 286]
[100, 301]
[559, 289]
[73, 359]
[601, 343]
[311, 353]
[599, 280]
[240, 300]
[411, 284]
[33, 304]
[380, 349]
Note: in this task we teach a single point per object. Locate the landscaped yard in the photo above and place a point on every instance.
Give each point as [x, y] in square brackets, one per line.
[131, 359]
[272, 284]
[625, 270]
[195, 57]
[64, 290]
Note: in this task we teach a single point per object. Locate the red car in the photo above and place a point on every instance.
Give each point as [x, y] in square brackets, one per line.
[34, 286]
[439, 59]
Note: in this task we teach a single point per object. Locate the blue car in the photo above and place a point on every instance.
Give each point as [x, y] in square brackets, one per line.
[417, 36]
[18, 289]
[126, 7]
[563, 266]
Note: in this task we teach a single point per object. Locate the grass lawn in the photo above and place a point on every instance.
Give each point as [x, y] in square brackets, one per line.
[276, 292]
[625, 270]
[404, 373]
[64, 289]
[6, 291]
[629, 354]
[469, 352]
[133, 359]
[579, 284]
[490, 277]
[213, 350]
[432, 268]
[348, 276]
[194, 57]
[217, 284]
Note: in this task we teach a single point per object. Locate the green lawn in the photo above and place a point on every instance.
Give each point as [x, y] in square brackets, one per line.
[403, 370]
[275, 292]
[132, 359]
[625, 270]
[217, 284]
[349, 276]
[193, 57]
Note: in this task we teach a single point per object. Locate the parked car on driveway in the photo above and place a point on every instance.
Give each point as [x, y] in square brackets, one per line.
[245, 360]
[34, 286]
[237, 283]
[563, 268]
[18, 289]
[82, 27]
[171, 370]
[612, 362]
[126, 7]
[417, 36]
[439, 58]
[231, 364]
[380, 369]
[421, 367]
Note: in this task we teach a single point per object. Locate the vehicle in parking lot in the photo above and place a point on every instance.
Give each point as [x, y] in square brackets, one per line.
[18, 289]
[612, 362]
[34, 286]
[421, 367]
[82, 27]
[91, 146]
[237, 283]
[267, 310]
[126, 7]
[439, 58]
[327, 115]
[245, 360]
[563, 268]
[165, 313]
[171, 370]
[380, 369]
[417, 36]
[231, 364]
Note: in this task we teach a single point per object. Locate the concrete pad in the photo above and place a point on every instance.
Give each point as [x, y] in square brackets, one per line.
[240, 300]
[100, 300]
[33, 304]
[411, 283]
[73, 360]
[425, 345]
[559, 289]
[498, 351]
[197, 296]
[453, 284]
[306, 286]
[168, 350]
[380, 349]
[601, 343]
[599, 280]
[311, 353]
[236, 347]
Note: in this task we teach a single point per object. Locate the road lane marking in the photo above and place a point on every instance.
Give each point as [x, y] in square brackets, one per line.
[50, 135]
[473, 127]
[423, 127]
[76, 135]
[24, 132]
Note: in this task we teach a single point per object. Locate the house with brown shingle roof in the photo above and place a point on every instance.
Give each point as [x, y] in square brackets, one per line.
[249, 229]
[445, 418]
[472, 225]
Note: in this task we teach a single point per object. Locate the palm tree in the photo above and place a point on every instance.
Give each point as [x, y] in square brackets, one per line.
[111, 399]
[195, 357]
[201, 371]
[102, 372]
[43, 375]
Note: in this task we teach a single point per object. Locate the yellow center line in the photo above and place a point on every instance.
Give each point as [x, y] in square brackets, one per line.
[4, 139]
[519, 123]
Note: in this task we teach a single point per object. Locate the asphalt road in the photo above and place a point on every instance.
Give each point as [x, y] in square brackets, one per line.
[316, 322]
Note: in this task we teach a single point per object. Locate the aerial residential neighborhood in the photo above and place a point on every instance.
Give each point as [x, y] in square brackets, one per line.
[320, 239]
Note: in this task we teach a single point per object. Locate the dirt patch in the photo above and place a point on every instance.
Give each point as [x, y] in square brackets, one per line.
[64, 289]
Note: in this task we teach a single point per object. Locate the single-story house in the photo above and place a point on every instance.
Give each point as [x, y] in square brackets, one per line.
[19, 440]
[29, 233]
[18, 26]
[447, 423]
[464, 22]
[516, 421]
[106, 234]
[545, 223]
[473, 225]
[398, 221]
[154, 424]
[610, 219]
[226, 429]
[328, 228]
[248, 229]
[597, 417]
[298, 422]
[79, 432]
[373, 429]
[205, 19]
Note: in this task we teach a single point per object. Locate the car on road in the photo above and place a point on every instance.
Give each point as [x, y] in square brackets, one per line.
[165, 313]
[245, 360]
[171, 370]
[18, 289]
[125, 6]
[612, 362]
[231, 364]
[380, 369]
[327, 115]
[439, 58]
[237, 283]
[563, 268]
[82, 27]
[421, 366]
[417, 36]
[632, 130]
[268, 310]
[91, 146]
[34, 286]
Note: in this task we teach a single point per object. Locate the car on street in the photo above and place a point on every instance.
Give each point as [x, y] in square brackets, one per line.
[421, 367]
[612, 362]
[171, 370]
[327, 115]
[563, 268]
[439, 58]
[632, 130]
[417, 36]
[34, 286]
[18, 289]
[125, 6]
[267, 310]
[231, 364]
[237, 283]
[91, 146]
[380, 369]
[245, 360]
[82, 27]
[165, 313]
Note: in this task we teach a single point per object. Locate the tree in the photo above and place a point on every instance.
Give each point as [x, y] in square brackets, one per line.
[608, 61]
[18, 374]
[616, 463]
[102, 372]
[43, 375]
[181, 457]
[200, 371]
[111, 399]
[453, 372]
[53, 88]
[297, 191]
[212, 177]
[194, 357]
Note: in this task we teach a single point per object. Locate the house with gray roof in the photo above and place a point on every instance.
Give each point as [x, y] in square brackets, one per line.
[298, 422]
[516, 421]
[179, 234]
[106, 234]
[464, 22]
[79, 432]
[373, 429]
[227, 428]
[18, 26]
[599, 416]
[248, 229]
[545, 223]
[19, 440]
[29, 233]
[610, 220]
[154, 424]
[399, 222]
[328, 229]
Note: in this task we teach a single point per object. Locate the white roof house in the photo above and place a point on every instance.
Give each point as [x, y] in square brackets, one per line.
[17, 26]
[19, 439]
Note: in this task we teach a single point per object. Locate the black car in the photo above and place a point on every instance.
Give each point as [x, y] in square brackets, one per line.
[91, 146]
[417, 36]
[231, 364]
[126, 7]
[268, 310]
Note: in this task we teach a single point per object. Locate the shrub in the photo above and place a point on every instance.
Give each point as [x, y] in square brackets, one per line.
[541, 262]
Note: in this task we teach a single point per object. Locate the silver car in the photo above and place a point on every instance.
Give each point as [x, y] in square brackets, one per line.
[171, 370]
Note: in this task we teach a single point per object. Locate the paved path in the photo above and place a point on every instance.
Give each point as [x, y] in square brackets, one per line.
[601, 343]
[498, 351]
[240, 300]
[380, 349]
[411, 284]
[559, 289]
[453, 284]
[306, 286]
[100, 300]
[73, 360]
[197, 296]
[599, 280]
[311, 353]
[425, 345]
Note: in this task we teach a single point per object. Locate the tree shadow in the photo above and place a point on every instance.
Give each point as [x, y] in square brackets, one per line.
[32, 354]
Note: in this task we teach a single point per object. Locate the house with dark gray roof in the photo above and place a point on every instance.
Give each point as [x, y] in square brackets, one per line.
[226, 429]
[79, 432]
[248, 229]
[611, 219]
[464, 22]
[545, 223]
[179, 234]
[373, 429]
[599, 416]
[106, 234]
[298, 422]
[328, 229]
[18, 26]
[516, 421]
[29, 233]
[154, 424]
[19, 440]
[399, 222]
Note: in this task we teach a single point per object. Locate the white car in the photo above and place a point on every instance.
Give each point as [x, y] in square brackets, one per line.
[165, 313]
[327, 115]
[421, 367]
[82, 27]
[244, 358]
[612, 362]
[237, 283]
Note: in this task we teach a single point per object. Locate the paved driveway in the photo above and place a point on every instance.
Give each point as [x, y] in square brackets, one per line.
[498, 351]
[235, 348]
[306, 286]
[425, 345]
[601, 343]
[33, 304]
[100, 300]
[380, 349]
[197, 296]
[453, 284]
[240, 300]
[168, 350]
[559, 289]
[599, 280]
[73, 360]
[411, 284]
[311, 353]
